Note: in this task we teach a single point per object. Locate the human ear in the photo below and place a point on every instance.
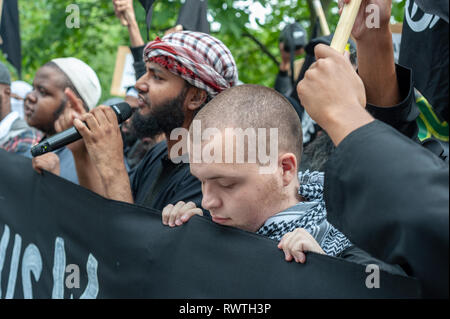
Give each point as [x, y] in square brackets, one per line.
[288, 164]
[195, 98]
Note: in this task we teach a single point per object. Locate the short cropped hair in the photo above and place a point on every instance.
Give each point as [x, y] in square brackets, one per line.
[254, 106]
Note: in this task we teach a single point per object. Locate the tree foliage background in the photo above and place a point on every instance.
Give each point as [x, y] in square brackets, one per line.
[254, 45]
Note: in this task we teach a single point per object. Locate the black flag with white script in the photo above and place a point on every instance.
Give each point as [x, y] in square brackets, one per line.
[10, 33]
[425, 49]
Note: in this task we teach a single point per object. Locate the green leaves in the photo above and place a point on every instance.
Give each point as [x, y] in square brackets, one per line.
[45, 35]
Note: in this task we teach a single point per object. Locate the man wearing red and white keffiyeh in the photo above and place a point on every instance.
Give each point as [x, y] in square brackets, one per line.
[200, 59]
[184, 71]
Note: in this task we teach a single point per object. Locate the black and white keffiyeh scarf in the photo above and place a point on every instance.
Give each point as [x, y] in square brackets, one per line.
[310, 215]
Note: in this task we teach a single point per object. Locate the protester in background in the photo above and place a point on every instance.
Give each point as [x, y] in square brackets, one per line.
[293, 38]
[125, 12]
[285, 83]
[316, 154]
[63, 85]
[15, 135]
[19, 90]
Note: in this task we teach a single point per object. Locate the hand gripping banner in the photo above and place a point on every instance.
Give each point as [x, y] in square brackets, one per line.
[59, 240]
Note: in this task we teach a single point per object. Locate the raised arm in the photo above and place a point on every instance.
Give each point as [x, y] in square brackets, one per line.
[376, 65]
[125, 12]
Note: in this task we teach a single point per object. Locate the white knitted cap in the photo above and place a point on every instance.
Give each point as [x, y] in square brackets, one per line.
[83, 78]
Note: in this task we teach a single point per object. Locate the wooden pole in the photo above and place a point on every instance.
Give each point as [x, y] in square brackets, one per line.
[345, 25]
[323, 20]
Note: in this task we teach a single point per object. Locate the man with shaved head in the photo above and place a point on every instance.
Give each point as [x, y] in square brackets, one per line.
[247, 162]
[268, 125]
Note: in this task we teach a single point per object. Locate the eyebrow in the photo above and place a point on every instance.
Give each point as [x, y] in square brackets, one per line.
[215, 177]
[41, 86]
[156, 70]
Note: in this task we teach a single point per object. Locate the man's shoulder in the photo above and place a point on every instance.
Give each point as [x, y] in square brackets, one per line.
[169, 182]
[22, 138]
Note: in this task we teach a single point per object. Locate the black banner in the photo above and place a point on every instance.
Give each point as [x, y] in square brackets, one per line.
[10, 34]
[50, 228]
[425, 49]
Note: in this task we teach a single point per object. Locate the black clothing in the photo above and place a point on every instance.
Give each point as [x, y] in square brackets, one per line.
[402, 116]
[390, 197]
[359, 256]
[139, 64]
[425, 48]
[283, 83]
[157, 181]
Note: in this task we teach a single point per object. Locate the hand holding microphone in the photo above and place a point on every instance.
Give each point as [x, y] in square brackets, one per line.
[117, 113]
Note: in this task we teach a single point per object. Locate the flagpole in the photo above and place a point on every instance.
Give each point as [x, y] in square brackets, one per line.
[345, 25]
[322, 19]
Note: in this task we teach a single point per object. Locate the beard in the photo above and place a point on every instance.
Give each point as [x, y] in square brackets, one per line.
[49, 128]
[163, 118]
[129, 138]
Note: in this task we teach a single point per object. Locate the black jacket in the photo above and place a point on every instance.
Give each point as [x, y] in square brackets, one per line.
[390, 197]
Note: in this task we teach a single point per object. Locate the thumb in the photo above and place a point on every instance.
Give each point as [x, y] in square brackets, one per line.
[323, 51]
[347, 55]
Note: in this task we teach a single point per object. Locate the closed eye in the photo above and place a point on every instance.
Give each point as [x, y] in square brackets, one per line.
[228, 186]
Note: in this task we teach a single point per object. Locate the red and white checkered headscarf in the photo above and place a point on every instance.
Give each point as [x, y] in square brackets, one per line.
[202, 60]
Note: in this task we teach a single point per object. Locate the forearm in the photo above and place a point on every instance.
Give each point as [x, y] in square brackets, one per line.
[116, 183]
[376, 67]
[339, 124]
[135, 34]
[88, 175]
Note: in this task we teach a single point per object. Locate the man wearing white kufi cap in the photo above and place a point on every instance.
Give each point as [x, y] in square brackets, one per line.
[62, 85]
[83, 78]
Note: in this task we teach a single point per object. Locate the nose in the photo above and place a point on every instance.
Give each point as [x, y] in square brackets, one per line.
[141, 85]
[210, 200]
[31, 97]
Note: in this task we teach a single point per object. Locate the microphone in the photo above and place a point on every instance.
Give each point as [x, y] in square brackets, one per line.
[123, 112]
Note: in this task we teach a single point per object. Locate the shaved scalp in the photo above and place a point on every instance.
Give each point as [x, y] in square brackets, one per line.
[255, 106]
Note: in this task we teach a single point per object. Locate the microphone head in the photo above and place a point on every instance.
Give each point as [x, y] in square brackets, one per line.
[122, 110]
